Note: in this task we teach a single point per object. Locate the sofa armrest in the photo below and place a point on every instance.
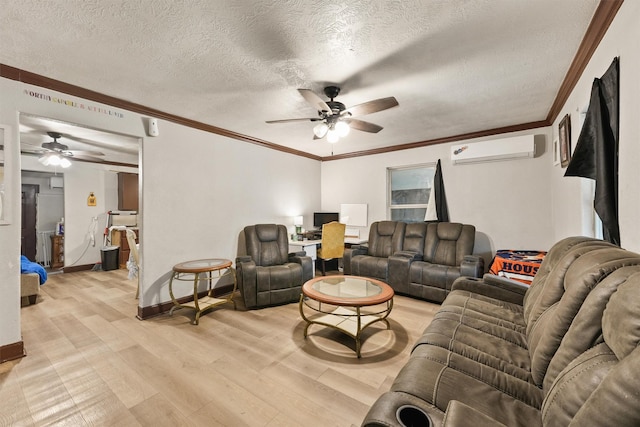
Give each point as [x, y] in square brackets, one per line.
[472, 266]
[408, 255]
[349, 253]
[494, 287]
[459, 415]
[305, 261]
[399, 266]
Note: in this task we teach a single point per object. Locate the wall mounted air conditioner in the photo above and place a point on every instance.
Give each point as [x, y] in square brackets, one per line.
[516, 147]
[56, 182]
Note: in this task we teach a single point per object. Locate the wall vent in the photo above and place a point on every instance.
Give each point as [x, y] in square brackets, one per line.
[56, 182]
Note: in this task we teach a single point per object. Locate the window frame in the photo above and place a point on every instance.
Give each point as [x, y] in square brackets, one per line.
[390, 206]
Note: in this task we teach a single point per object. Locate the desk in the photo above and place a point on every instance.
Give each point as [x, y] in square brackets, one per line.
[310, 247]
[196, 271]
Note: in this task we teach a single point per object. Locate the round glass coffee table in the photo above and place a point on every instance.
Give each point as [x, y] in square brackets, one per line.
[346, 303]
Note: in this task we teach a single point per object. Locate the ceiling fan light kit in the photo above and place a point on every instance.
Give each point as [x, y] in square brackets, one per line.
[335, 119]
[320, 130]
[53, 159]
[54, 153]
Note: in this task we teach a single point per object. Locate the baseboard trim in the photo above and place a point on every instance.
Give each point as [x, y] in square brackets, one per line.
[158, 309]
[74, 268]
[12, 351]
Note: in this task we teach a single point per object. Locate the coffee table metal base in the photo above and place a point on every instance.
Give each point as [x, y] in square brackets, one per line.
[349, 320]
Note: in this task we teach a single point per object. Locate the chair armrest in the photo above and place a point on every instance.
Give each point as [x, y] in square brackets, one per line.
[243, 258]
[246, 280]
[305, 261]
[472, 266]
[493, 287]
[348, 255]
[459, 415]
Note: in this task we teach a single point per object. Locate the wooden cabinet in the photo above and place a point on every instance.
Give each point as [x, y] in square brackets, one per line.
[119, 238]
[127, 191]
[57, 251]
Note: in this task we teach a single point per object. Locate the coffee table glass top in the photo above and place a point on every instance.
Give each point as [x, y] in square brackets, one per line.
[347, 287]
[347, 290]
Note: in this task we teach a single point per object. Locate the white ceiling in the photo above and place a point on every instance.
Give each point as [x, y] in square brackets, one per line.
[455, 66]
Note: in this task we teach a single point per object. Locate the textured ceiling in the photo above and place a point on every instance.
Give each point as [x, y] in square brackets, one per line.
[455, 66]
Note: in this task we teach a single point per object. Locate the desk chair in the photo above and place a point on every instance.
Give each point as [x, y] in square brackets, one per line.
[133, 247]
[332, 243]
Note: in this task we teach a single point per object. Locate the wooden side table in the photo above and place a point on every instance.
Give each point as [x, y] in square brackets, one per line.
[197, 271]
[57, 251]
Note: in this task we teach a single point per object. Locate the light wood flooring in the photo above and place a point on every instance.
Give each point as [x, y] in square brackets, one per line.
[91, 362]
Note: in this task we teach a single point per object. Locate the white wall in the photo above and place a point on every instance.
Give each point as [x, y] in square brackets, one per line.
[229, 185]
[620, 40]
[507, 201]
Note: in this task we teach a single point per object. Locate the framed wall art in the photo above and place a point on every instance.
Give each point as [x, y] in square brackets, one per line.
[564, 135]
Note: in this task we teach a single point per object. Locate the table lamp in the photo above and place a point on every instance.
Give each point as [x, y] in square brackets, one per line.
[297, 221]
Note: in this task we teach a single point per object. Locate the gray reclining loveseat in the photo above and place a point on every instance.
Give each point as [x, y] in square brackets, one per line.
[416, 259]
[562, 352]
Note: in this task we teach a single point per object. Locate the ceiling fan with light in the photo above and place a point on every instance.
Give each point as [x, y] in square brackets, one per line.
[54, 153]
[335, 119]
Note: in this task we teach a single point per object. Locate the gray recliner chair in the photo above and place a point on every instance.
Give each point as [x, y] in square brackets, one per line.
[268, 274]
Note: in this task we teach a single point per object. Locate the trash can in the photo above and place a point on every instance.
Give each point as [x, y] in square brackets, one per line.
[109, 257]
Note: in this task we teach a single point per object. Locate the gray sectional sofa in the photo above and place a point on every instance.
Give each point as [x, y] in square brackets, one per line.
[416, 259]
[562, 352]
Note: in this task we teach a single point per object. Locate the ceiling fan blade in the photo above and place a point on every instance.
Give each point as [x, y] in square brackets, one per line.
[371, 106]
[363, 126]
[315, 101]
[306, 119]
[76, 153]
[87, 158]
[33, 148]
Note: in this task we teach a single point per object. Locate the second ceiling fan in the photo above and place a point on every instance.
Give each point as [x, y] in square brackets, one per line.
[335, 119]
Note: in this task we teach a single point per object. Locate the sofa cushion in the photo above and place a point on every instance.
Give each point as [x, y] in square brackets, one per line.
[278, 276]
[447, 243]
[582, 276]
[363, 265]
[414, 236]
[439, 376]
[620, 321]
[385, 238]
[435, 275]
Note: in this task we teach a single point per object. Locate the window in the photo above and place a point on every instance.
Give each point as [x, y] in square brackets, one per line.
[408, 191]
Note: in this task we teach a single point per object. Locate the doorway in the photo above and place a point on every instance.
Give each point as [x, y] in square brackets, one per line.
[28, 221]
[41, 215]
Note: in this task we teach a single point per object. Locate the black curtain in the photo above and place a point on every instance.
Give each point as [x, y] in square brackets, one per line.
[596, 153]
[440, 198]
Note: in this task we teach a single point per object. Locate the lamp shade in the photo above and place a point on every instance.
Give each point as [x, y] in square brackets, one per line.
[343, 129]
[332, 136]
[298, 220]
[320, 130]
[64, 162]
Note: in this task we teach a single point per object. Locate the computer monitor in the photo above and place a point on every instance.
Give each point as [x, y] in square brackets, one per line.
[320, 218]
